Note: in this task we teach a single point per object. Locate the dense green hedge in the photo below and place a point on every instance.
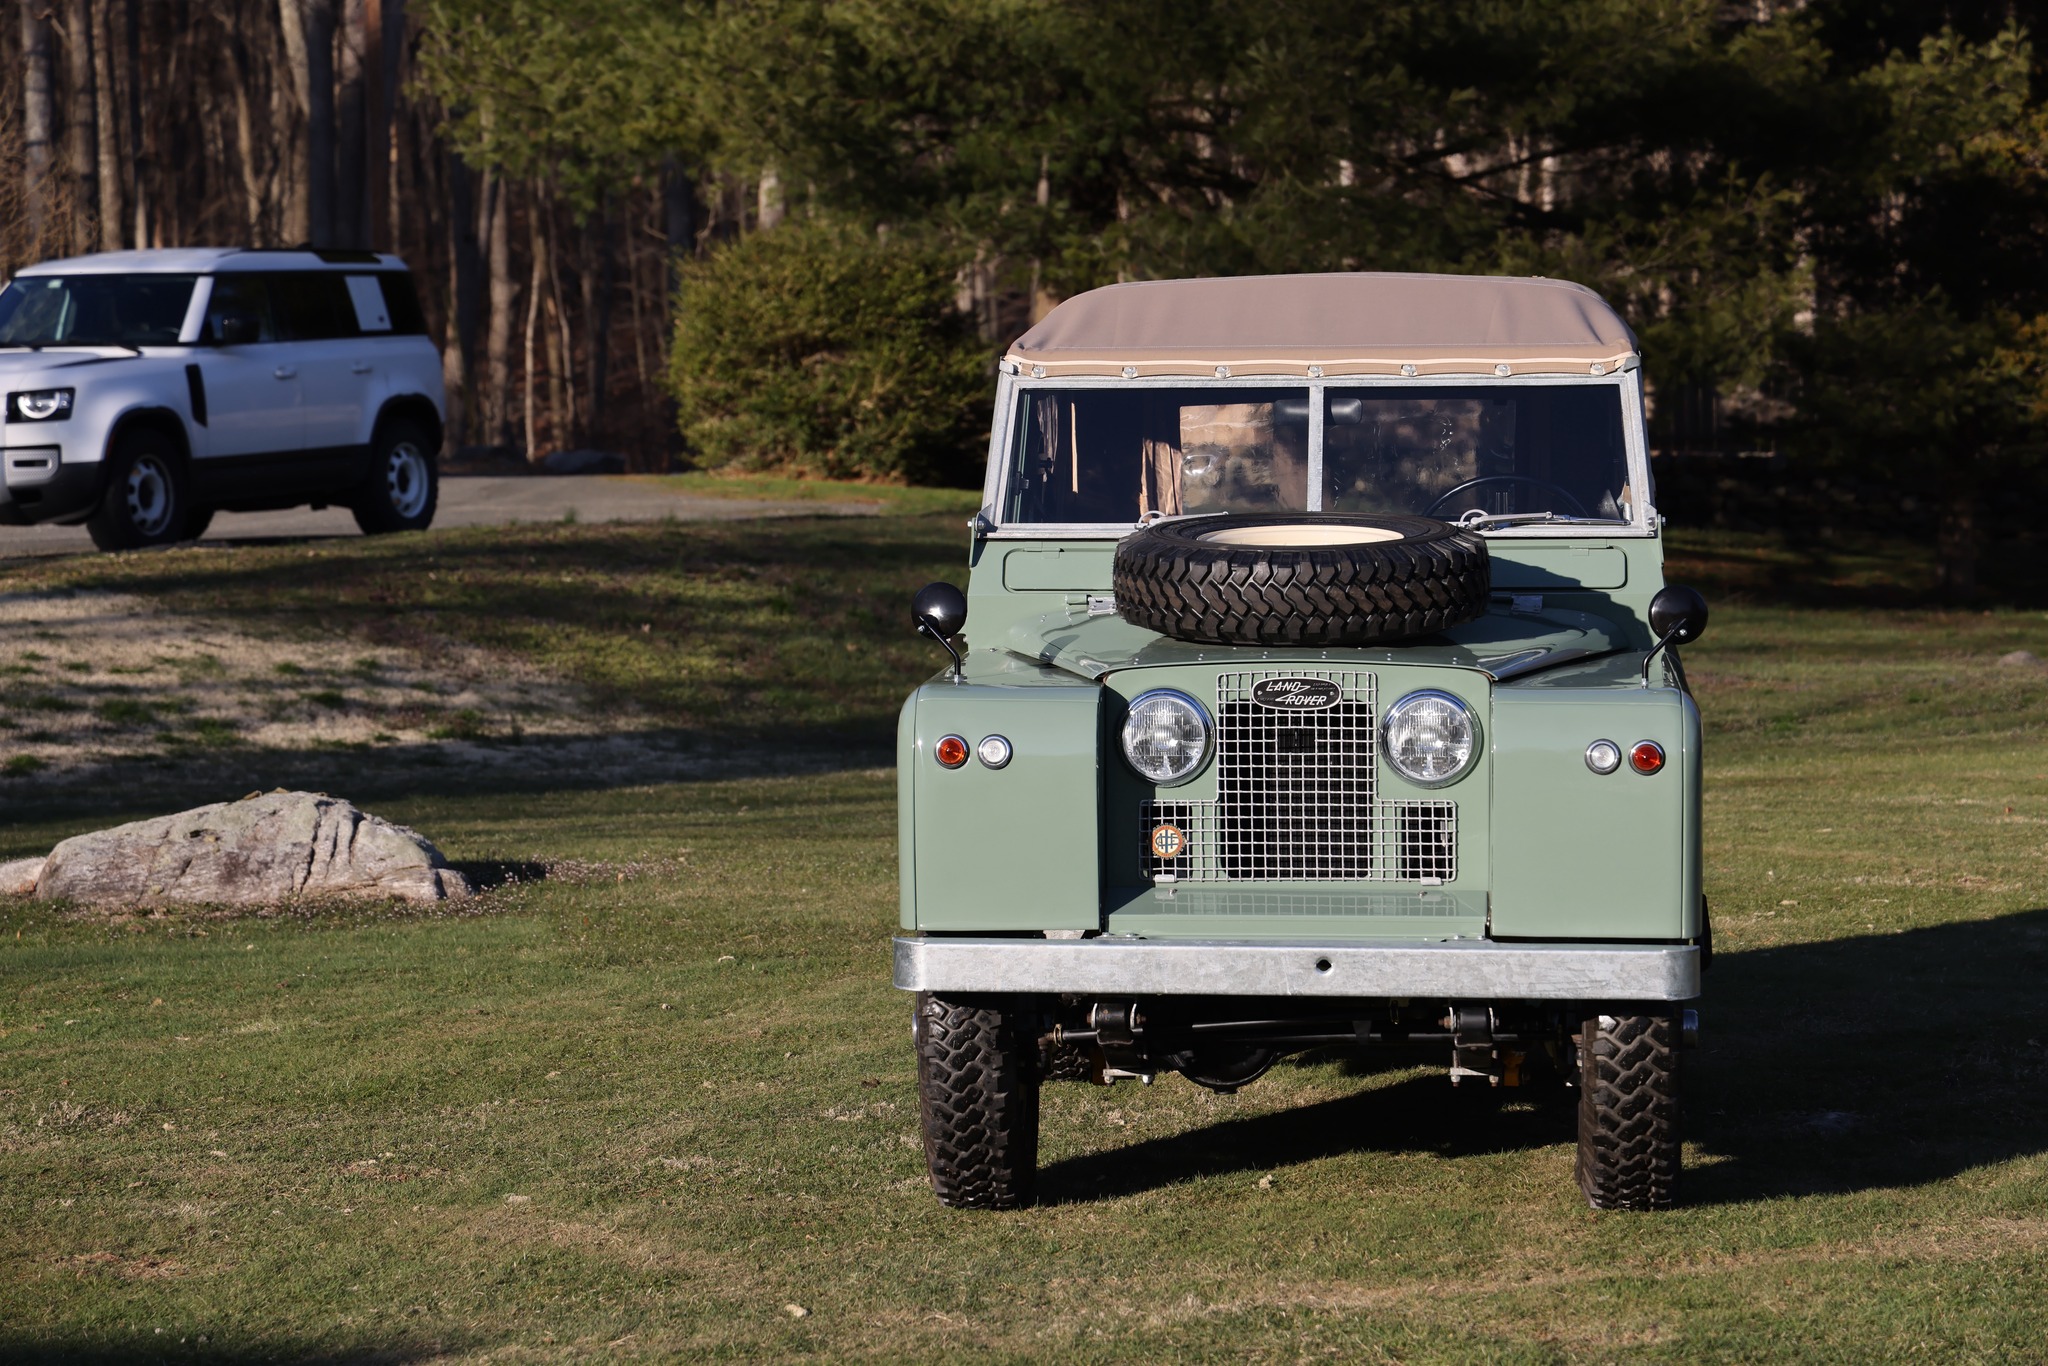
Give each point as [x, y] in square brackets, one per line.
[820, 349]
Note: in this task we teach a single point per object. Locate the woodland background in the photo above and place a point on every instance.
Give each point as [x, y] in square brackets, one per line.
[795, 233]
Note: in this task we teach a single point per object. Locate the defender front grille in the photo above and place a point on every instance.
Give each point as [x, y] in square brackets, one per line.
[1408, 842]
[1296, 795]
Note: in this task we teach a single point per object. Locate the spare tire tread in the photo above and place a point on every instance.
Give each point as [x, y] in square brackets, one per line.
[1169, 580]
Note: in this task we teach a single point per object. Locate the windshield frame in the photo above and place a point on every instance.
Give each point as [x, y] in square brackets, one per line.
[1012, 390]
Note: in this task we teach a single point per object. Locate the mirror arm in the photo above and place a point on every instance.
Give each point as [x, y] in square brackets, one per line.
[1670, 636]
[959, 672]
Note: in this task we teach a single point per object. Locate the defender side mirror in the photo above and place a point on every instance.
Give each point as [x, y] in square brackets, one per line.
[939, 610]
[1678, 616]
[236, 329]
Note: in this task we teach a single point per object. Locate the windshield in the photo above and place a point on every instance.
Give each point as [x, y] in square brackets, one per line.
[94, 310]
[1115, 455]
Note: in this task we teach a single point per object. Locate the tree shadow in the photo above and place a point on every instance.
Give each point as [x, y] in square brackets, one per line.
[1827, 1068]
[158, 1348]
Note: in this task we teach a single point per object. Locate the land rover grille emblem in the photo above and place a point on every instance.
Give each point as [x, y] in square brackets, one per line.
[1168, 841]
[1296, 694]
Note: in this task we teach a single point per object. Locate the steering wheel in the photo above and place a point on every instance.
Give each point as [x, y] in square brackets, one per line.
[1577, 509]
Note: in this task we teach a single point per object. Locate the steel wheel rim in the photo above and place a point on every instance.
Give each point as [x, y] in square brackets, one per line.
[149, 495]
[405, 479]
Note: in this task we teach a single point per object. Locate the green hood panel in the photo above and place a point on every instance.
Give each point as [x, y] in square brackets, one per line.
[1502, 644]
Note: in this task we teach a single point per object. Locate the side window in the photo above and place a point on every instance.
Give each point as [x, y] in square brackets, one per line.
[248, 294]
[402, 303]
[312, 306]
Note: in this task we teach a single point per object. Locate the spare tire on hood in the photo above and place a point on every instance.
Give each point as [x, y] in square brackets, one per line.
[1300, 578]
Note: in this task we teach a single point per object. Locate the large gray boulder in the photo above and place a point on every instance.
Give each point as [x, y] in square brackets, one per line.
[264, 849]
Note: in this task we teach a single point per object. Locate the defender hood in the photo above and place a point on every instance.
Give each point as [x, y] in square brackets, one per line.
[1502, 644]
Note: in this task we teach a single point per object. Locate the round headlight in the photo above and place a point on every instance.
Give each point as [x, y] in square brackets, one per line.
[1166, 737]
[1430, 737]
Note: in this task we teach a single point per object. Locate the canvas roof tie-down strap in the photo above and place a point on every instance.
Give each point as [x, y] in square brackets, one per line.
[1329, 325]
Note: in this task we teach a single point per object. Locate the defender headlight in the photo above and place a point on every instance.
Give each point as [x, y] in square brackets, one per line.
[1430, 738]
[39, 405]
[1166, 737]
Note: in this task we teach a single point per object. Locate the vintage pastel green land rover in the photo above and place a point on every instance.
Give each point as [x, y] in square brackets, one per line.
[1319, 691]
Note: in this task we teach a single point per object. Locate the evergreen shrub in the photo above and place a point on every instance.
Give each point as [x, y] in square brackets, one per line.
[824, 350]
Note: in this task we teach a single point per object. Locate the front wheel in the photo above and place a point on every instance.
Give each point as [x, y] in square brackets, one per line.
[977, 1093]
[1628, 1111]
[404, 484]
[144, 504]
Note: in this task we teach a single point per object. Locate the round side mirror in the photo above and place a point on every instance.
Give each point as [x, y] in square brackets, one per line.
[939, 609]
[1678, 612]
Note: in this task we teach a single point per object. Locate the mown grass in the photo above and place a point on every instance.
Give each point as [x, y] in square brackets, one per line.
[643, 1107]
[890, 499]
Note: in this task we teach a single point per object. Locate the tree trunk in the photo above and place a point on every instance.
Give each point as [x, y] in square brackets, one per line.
[139, 160]
[85, 154]
[351, 175]
[105, 117]
[533, 294]
[294, 171]
[38, 119]
[464, 304]
[320, 216]
[497, 235]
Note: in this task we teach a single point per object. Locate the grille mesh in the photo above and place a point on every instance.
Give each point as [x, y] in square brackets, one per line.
[1296, 799]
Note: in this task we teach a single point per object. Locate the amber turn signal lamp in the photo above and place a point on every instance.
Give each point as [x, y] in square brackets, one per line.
[1647, 756]
[952, 752]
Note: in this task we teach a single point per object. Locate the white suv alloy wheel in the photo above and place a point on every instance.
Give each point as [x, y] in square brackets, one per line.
[150, 503]
[405, 479]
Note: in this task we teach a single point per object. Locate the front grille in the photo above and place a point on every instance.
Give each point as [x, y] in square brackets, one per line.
[1296, 797]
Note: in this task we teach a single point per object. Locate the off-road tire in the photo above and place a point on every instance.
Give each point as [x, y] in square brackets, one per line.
[1172, 580]
[977, 1092]
[145, 499]
[1628, 1111]
[404, 484]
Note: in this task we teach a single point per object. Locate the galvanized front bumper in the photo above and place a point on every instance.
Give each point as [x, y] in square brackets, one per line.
[1451, 970]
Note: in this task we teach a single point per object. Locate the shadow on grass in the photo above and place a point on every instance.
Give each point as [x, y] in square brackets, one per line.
[160, 1348]
[1828, 1068]
[532, 765]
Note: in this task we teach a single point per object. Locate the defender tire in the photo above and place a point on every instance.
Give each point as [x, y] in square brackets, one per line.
[1301, 578]
[145, 503]
[1628, 1111]
[404, 486]
[977, 1092]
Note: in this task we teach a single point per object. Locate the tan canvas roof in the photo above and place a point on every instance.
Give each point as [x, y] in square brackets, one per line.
[1356, 324]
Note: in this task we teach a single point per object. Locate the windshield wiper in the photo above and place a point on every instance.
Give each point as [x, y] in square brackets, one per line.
[1475, 520]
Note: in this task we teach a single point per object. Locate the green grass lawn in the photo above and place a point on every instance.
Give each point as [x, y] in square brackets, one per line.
[643, 1106]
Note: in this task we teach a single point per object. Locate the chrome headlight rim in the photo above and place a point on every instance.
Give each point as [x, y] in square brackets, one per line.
[55, 404]
[1393, 713]
[1208, 736]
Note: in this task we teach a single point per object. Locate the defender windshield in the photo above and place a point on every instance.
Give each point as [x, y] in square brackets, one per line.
[94, 310]
[1114, 455]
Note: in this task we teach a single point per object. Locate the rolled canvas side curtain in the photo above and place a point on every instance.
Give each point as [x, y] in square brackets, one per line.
[1159, 471]
[1042, 455]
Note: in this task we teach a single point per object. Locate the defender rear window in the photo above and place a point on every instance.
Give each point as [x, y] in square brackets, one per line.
[1111, 456]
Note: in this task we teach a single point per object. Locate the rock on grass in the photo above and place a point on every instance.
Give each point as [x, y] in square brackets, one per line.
[262, 850]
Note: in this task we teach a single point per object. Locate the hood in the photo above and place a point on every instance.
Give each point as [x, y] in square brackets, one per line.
[1502, 644]
[19, 364]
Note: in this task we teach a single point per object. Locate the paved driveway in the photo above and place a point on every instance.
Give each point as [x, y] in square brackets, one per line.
[467, 500]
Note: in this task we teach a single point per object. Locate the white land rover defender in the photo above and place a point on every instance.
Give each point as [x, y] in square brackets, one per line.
[147, 390]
